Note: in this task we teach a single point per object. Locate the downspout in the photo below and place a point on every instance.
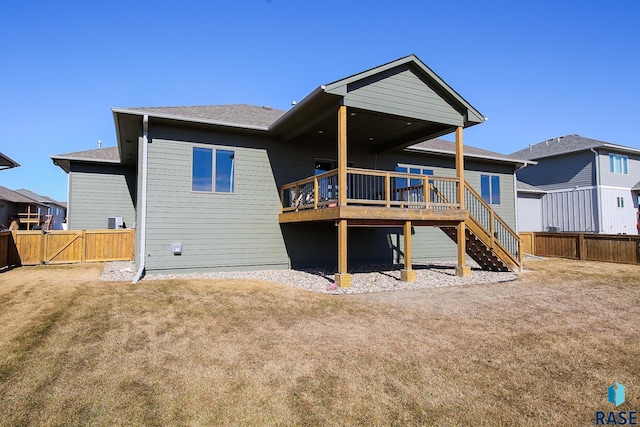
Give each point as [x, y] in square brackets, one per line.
[598, 194]
[66, 213]
[143, 201]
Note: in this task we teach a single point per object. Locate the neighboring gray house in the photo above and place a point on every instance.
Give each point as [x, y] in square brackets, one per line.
[14, 204]
[590, 186]
[237, 187]
[57, 210]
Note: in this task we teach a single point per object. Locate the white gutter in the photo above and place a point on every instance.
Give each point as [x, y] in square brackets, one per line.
[598, 191]
[143, 201]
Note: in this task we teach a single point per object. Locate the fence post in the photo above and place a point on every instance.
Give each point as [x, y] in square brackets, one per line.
[44, 243]
[83, 254]
[582, 247]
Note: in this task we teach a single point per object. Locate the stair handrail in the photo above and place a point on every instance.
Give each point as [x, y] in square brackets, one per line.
[491, 233]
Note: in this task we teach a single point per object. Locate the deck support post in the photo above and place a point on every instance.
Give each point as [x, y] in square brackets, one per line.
[407, 274]
[462, 269]
[343, 278]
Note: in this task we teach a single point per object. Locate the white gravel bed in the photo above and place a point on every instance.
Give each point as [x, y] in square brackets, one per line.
[367, 279]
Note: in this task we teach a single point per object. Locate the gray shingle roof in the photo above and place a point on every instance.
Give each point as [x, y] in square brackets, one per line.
[14, 197]
[109, 154]
[235, 115]
[441, 146]
[564, 145]
[37, 197]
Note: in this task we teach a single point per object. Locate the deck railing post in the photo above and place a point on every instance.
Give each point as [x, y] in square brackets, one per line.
[387, 190]
[315, 192]
[427, 192]
[492, 228]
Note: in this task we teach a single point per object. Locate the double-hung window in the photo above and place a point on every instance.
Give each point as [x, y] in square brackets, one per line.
[618, 164]
[490, 189]
[212, 170]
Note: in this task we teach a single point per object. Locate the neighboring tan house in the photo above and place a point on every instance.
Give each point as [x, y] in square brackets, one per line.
[238, 187]
[590, 186]
[6, 162]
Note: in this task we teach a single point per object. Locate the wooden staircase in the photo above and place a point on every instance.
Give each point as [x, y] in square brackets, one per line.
[489, 240]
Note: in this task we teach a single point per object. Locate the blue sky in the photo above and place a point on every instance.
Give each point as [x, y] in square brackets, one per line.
[536, 69]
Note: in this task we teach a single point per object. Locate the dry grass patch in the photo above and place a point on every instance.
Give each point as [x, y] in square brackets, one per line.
[541, 350]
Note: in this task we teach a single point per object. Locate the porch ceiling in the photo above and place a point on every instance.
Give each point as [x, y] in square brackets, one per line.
[376, 130]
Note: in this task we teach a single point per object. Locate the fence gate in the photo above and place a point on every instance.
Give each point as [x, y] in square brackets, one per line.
[64, 246]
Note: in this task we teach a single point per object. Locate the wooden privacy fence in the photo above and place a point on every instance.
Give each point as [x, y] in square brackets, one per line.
[65, 246]
[620, 248]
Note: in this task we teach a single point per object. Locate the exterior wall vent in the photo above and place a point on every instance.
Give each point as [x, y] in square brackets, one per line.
[115, 223]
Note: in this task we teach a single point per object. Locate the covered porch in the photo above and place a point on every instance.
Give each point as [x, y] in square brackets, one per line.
[387, 108]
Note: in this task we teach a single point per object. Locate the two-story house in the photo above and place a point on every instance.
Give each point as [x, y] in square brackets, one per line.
[590, 185]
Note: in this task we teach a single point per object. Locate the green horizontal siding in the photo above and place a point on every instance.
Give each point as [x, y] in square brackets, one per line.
[402, 93]
[218, 231]
[240, 231]
[98, 192]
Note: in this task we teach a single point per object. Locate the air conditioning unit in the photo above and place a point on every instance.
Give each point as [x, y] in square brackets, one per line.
[115, 223]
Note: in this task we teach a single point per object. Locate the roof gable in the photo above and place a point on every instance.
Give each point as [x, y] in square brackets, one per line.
[412, 88]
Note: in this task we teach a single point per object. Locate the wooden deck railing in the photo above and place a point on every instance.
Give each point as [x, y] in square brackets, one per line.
[371, 187]
[495, 228]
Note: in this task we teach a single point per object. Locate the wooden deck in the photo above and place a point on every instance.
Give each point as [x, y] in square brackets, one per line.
[383, 198]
